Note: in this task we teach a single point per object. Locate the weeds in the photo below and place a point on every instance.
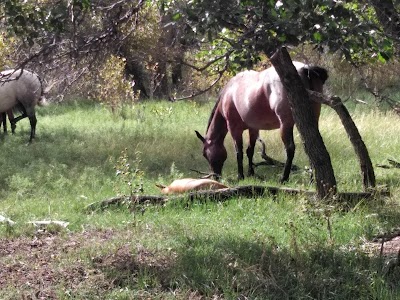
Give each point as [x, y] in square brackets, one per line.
[129, 176]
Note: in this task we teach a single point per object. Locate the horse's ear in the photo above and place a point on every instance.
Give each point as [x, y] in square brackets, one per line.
[160, 186]
[201, 138]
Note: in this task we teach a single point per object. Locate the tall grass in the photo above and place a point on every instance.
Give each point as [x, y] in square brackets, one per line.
[271, 247]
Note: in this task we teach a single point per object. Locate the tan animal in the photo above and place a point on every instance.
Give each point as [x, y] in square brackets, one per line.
[190, 184]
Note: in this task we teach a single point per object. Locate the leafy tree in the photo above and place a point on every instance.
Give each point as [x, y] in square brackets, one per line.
[247, 28]
[226, 35]
[67, 39]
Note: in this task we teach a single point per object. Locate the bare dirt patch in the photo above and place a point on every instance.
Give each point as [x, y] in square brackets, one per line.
[386, 245]
[44, 266]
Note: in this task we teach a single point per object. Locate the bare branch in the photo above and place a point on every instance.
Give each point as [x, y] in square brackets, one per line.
[198, 93]
[210, 63]
[207, 175]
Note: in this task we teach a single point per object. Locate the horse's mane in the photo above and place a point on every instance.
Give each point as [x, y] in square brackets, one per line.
[213, 112]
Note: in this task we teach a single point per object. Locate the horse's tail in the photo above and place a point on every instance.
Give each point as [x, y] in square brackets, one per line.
[42, 100]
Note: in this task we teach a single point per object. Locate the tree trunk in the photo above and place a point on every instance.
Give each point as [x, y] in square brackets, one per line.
[367, 169]
[306, 123]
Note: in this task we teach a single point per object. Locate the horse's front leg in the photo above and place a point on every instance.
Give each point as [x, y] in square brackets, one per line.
[238, 141]
[253, 135]
[288, 141]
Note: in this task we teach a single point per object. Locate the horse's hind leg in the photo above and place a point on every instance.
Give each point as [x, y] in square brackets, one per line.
[12, 120]
[33, 121]
[253, 135]
[3, 121]
[238, 141]
[288, 141]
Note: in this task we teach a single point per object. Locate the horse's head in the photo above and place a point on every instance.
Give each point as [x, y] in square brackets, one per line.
[214, 152]
[314, 77]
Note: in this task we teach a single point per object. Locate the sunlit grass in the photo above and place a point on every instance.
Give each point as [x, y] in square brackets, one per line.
[264, 248]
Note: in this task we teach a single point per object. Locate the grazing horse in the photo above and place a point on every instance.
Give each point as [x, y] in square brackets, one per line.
[22, 90]
[256, 101]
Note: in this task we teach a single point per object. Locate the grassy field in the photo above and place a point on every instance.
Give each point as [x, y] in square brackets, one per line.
[282, 247]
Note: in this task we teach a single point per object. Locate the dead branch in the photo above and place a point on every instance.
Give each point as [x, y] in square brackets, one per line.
[249, 191]
[392, 164]
[269, 161]
[200, 92]
[206, 174]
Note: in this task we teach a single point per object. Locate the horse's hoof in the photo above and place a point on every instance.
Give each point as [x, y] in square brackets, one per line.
[283, 180]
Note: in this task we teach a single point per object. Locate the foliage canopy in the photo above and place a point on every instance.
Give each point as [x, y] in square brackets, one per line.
[213, 35]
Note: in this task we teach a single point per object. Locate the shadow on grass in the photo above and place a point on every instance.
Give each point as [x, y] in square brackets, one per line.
[239, 269]
[243, 269]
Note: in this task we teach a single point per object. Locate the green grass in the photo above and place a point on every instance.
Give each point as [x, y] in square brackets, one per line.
[264, 248]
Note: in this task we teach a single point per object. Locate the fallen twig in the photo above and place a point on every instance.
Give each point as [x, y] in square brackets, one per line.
[392, 164]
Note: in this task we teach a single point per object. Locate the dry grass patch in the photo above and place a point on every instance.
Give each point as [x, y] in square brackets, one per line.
[61, 266]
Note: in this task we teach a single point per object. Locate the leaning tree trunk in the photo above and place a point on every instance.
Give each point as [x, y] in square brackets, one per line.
[367, 170]
[306, 123]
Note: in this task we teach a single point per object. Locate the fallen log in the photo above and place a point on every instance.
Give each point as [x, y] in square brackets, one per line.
[248, 191]
[119, 200]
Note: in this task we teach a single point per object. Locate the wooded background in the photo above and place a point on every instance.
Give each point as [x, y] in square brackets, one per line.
[117, 51]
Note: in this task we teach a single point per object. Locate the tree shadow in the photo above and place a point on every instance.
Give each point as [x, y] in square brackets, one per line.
[240, 269]
[232, 268]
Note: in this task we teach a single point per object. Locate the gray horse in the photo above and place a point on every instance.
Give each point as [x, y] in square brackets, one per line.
[22, 90]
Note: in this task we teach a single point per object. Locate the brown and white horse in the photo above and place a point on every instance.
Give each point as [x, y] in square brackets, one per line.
[255, 101]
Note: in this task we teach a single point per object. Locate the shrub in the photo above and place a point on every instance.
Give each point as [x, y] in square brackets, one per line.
[113, 89]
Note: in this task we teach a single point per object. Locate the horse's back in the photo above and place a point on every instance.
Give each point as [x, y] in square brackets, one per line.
[258, 100]
[19, 86]
[250, 96]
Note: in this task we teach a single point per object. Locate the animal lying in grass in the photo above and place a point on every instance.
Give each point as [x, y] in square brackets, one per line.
[190, 184]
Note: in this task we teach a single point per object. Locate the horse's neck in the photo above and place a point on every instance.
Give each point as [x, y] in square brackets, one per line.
[217, 128]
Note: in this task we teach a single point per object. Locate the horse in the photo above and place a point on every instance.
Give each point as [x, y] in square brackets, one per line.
[256, 101]
[22, 90]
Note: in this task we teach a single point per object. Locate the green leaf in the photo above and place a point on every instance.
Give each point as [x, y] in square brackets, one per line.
[317, 36]
[383, 57]
[177, 16]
